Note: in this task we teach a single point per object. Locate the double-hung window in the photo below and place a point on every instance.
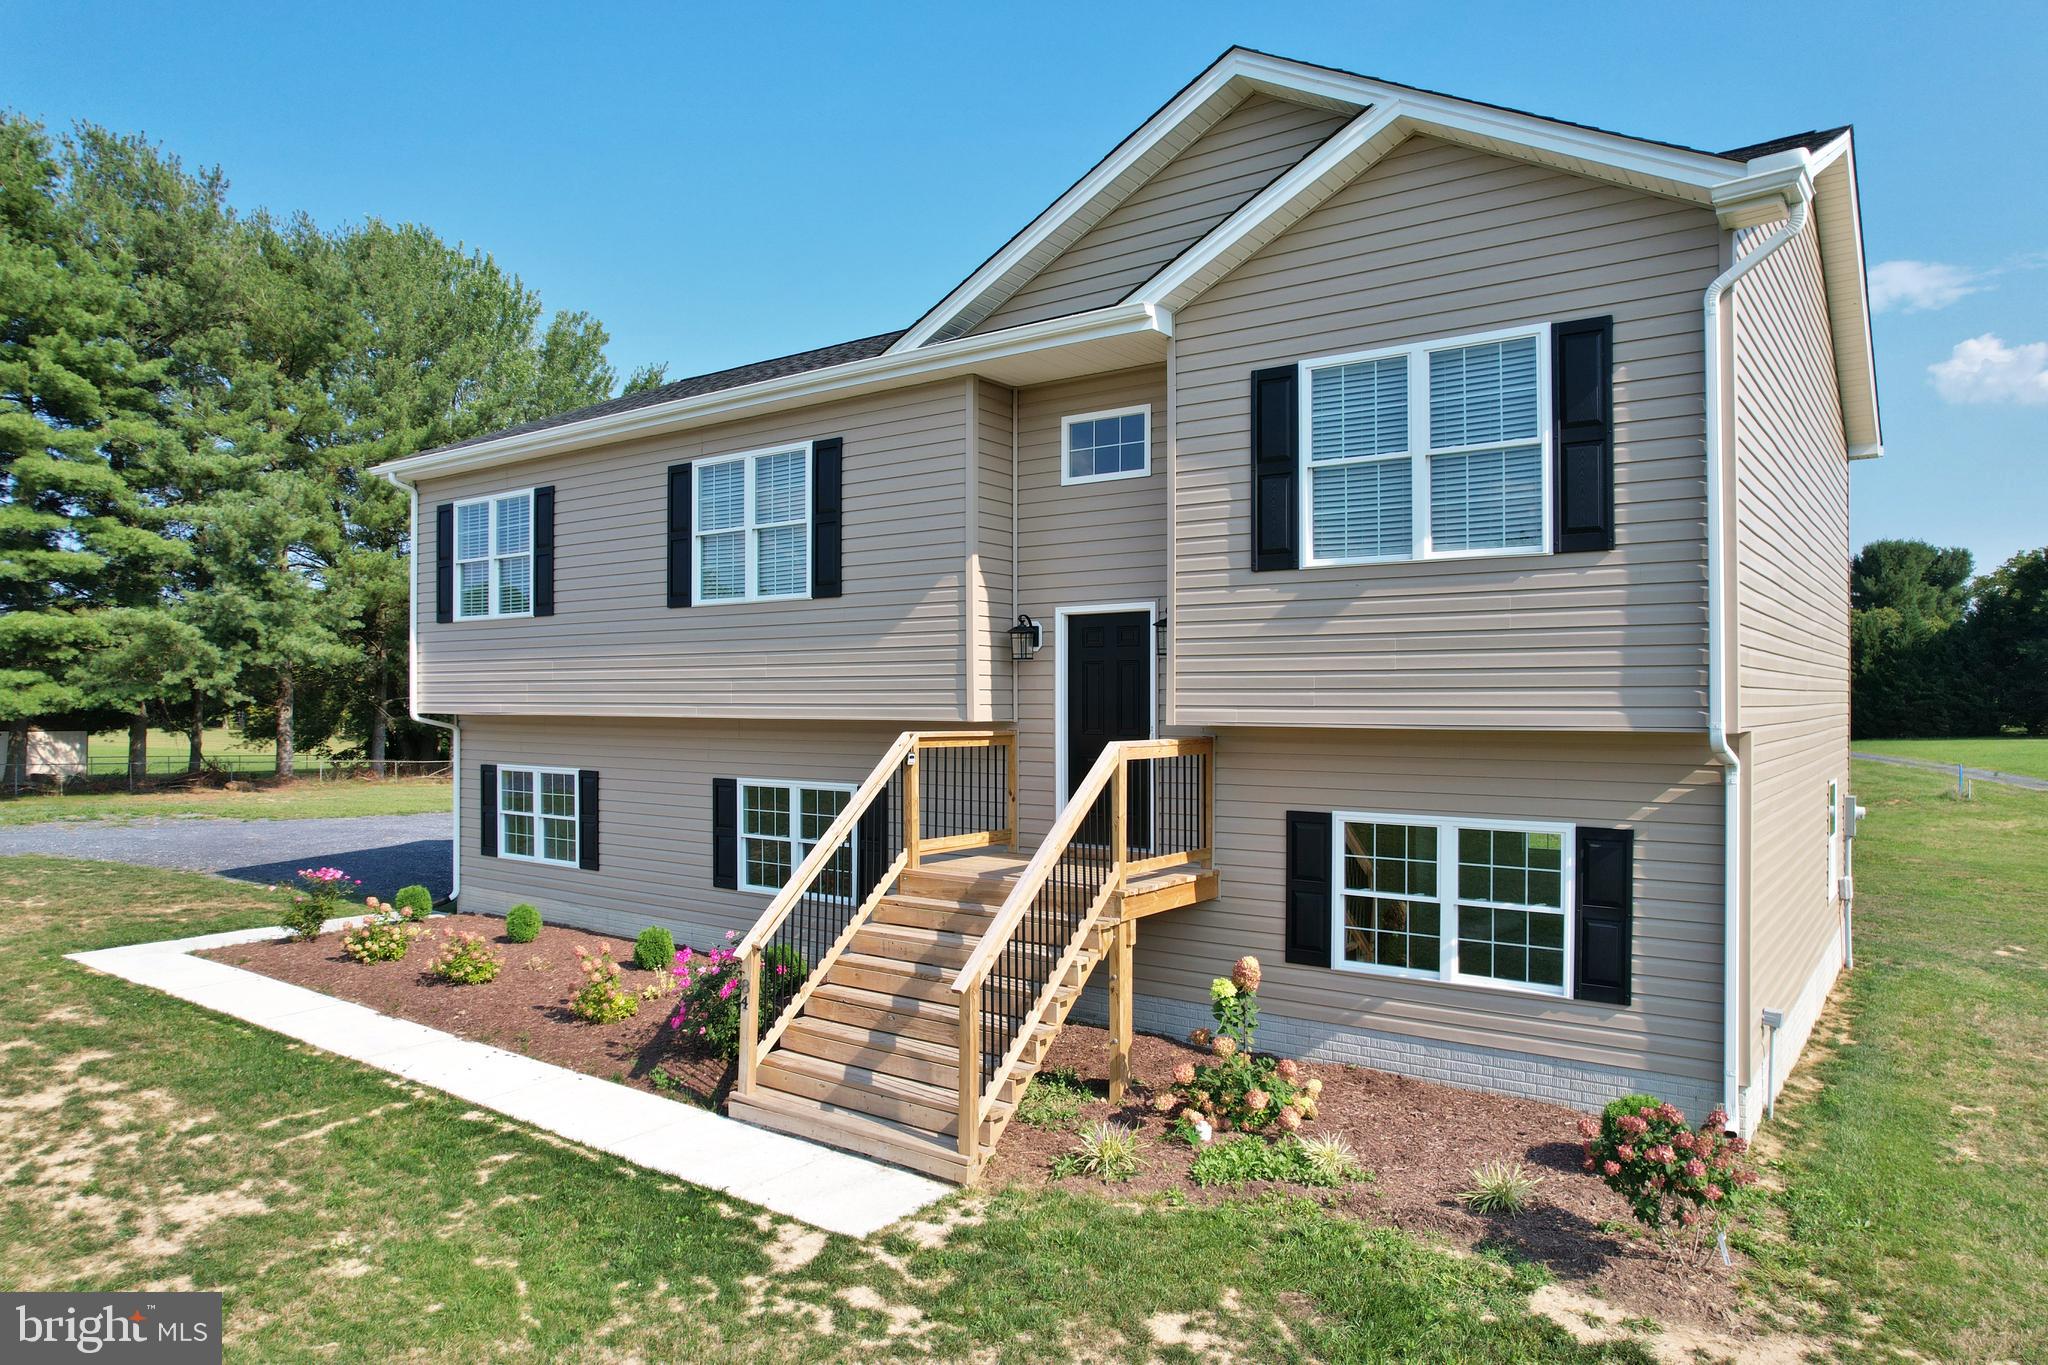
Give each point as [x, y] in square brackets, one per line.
[753, 525]
[494, 556]
[1471, 901]
[537, 816]
[780, 823]
[1439, 449]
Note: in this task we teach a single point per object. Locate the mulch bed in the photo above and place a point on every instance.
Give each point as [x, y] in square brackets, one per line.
[526, 1010]
[1420, 1140]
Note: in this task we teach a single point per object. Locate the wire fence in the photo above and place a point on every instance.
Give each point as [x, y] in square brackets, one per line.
[168, 772]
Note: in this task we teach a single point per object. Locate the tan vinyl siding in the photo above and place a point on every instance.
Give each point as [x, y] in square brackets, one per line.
[1079, 544]
[1661, 786]
[891, 647]
[1439, 241]
[1198, 189]
[654, 798]
[996, 548]
[1792, 610]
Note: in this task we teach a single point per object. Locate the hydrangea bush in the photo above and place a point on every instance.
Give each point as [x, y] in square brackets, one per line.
[383, 939]
[1241, 1089]
[1672, 1176]
[466, 960]
[601, 999]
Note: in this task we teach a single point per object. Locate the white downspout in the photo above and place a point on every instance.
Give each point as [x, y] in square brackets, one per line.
[412, 686]
[1800, 198]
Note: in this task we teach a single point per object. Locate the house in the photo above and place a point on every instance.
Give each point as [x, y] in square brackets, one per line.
[1398, 537]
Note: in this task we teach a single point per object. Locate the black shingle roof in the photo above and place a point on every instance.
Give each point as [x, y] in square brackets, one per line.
[1812, 141]
[838, 354]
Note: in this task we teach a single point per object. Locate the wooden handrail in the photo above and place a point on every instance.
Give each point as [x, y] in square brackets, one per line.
[827, 846]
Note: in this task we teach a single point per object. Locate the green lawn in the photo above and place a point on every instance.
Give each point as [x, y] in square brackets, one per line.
[1916, 1200]
[2025, 756]
[347, 1214]
[292, 801]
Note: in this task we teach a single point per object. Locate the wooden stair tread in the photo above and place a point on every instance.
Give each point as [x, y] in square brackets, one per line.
[852, 1131]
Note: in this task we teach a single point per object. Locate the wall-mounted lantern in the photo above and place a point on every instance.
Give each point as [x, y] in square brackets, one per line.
[1027, 637]
[1159, 636]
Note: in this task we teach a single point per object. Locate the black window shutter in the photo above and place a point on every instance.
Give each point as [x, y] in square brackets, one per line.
[1276, 439]
[487, 810]
[872, 836]
[544, 551]
[444, 562]
[1308, 888]
[1582, 375]
[1606, 861]
[825, 484]
[725, 832]
[586, 819]
[680, 521]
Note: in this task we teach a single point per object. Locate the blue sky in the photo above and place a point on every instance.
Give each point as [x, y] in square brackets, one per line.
[723, 184]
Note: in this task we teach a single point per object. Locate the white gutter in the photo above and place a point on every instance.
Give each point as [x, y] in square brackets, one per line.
[1783, 177]
[412, 685]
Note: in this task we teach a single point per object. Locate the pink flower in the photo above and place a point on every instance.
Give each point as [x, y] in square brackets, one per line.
[1256, 1100]
[1224, 1047]
[1588, 1128]
[1610, 1167]
[725, 991]
[1713, 1194]
[1633, 1125]
[1695, 1168]
[1717, 1118]
[1244, 973]
[1184, 1074]
[1683, 1142]
[1662, 1154]
[1587, 1164]
[1290, 1119]
[1288, 1069]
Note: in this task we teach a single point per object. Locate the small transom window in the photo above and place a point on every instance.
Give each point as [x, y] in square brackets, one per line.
[1107, 445]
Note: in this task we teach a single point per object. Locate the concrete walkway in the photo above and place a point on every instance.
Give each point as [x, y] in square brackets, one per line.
[816, 1185]
[1974, 774]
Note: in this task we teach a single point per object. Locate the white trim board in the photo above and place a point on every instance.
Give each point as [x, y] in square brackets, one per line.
[828, 1189]
[1059, 704]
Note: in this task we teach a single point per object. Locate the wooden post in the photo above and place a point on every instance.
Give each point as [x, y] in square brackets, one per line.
[1120, 1008]
[970, 1072]
[1209, 802]
[1119, 814]
[750, 1026]
[910, 810]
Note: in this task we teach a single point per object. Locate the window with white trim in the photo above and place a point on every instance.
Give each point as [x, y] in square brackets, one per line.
[1435, 450]
[1096, 446]
[494, 556]
[752, 522]
[1477, 902]
[780, 823]
[537, 816]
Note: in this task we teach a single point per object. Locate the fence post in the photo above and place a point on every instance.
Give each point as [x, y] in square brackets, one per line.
[911, 817]
[970, 1072]
[750, 1025]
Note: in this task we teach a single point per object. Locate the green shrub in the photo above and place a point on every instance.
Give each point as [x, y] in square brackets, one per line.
[1053, 1099]
[414, 902]
[1501, 1187]
[317, 900]
[522, 923]
[383, 939]
[1105, 1150]
[654, 950]
[467, 960]
[1329, 1162]
[1670, 1174]
[302, 920]
[1331, 1159]
[707, 1017]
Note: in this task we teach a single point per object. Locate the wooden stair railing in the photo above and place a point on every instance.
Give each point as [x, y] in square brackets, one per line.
[896, 818]
[1028, 968]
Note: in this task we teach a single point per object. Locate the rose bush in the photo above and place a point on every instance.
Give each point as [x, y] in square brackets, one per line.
[707, 1017]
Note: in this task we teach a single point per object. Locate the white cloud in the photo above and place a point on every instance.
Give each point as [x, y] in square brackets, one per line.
[1986, 370]
[1919, 286]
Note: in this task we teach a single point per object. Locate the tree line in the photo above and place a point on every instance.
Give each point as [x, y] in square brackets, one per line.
[1939, 651]
[189, 400]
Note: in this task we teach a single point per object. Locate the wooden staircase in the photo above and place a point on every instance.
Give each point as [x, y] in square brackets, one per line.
[935, 1002]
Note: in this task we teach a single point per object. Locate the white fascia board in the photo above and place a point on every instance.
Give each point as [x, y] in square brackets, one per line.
[938, 361]
[1840, 215]
[1209, 86]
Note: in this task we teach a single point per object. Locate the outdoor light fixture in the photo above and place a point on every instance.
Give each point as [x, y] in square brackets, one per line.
[1027, 637]
[1159, 636]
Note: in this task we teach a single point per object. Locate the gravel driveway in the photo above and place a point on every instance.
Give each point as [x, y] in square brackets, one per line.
[385, 851]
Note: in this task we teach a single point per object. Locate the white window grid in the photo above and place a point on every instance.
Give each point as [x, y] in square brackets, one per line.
[539, 814]
[1142, 411]
[503, 556]
[1448, 901]
[802, 826]
[752, 528]
[1418, 452]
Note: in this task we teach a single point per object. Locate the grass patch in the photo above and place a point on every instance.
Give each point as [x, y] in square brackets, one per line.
[1054, 1098]
[300, 800]
[1242, 1160]
[2025, 756]
[1915, 1191]
[349, 1215]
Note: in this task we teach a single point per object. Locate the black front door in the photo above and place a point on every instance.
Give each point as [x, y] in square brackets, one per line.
[1109, 697]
